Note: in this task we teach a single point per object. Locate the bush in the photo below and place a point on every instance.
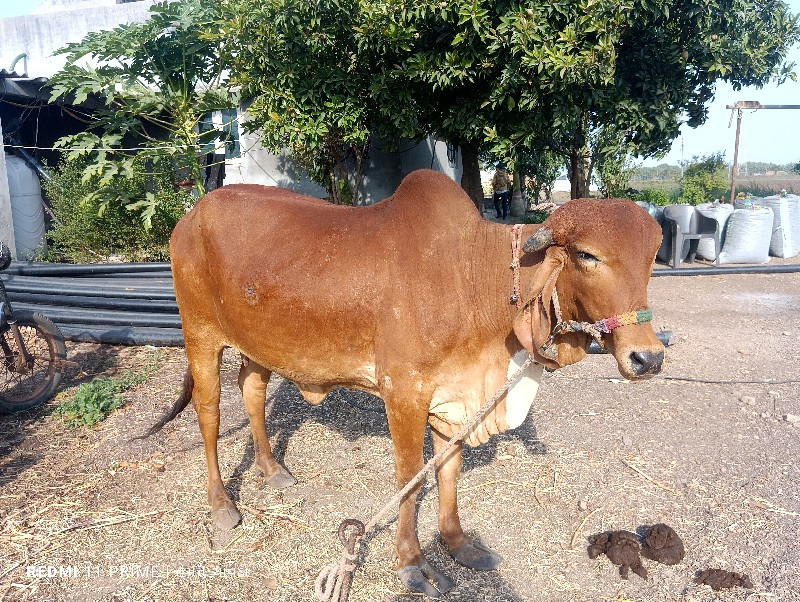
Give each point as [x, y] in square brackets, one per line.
[88, 231]
[655, 196]
[535, 217]
[704, 180]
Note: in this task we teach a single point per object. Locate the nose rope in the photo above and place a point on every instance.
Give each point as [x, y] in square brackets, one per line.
[596, 330]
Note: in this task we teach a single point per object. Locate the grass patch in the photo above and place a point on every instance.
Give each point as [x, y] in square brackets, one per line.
[93, 401]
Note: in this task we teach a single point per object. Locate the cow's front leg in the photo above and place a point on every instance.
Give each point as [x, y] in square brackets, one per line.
[407, 423]
[464, 550]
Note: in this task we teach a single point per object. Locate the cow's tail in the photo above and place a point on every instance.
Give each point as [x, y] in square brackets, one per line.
[180, 404]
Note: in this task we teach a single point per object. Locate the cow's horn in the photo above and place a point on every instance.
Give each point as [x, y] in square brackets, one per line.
[541, 239]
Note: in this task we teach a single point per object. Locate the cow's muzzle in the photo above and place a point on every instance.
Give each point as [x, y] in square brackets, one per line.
[646, 363]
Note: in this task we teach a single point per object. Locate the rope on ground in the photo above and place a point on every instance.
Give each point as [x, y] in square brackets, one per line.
[690, 379]
[334, 580]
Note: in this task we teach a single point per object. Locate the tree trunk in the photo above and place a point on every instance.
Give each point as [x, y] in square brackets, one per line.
[578, 175]
[573, 175]
[517, 205]
[471, 175]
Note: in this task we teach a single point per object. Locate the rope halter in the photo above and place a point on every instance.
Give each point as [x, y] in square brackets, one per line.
[596, 330]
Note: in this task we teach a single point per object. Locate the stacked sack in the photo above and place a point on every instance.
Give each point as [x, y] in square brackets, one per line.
[748, 234]
[785, 241]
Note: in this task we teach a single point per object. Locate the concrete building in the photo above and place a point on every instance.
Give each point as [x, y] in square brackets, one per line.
[27, 44]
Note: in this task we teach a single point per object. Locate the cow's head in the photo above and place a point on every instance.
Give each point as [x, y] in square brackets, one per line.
[598, 256]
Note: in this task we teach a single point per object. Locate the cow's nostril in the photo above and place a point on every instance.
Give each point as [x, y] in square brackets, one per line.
[646, 362]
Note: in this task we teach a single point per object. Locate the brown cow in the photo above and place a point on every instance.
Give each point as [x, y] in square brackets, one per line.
[407, 299]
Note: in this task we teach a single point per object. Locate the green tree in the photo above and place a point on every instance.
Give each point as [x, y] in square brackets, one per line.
[495, 76]
[311, 85]
[705, 179]
[663, 171]
[638, 68]
[540, 168]
[551, 74]
[156, 80]
[613, 164]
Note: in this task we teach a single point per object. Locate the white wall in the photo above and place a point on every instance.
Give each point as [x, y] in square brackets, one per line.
[382, 174]
[258, 166]
[39, 35]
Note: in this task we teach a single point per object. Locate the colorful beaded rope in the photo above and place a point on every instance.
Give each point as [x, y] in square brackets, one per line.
[627, 319]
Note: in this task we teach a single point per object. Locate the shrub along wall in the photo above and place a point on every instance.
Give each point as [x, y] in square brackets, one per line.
[87, 230]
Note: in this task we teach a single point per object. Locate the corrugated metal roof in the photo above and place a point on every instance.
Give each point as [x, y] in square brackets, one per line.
[14, 84]
[11, 74]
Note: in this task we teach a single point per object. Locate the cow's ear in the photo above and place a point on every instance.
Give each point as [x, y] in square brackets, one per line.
[535, 321]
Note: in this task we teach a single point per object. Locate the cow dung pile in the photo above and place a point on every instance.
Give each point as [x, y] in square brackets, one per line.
[662, 544]
[622, 548]
[719, 579]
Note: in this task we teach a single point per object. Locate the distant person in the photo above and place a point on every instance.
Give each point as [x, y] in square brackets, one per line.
[501, 187]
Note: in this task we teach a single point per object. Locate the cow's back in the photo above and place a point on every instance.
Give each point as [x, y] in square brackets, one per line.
[296, 282]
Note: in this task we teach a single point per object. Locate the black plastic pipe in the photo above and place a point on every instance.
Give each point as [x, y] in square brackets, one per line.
[159, 337]
[84, 269]
[116, 303]
[164, 293]
[99, 281]
[72, 315]
[155, 275]
[720, 271]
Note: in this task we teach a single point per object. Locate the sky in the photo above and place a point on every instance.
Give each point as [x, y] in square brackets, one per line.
[14, 8]
[767, 135]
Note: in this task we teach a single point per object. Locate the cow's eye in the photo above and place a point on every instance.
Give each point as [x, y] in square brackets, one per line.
[587, 257]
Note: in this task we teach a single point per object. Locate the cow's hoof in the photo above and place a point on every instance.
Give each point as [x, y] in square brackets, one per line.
[476, 556]
[225, 518]
[281, 479]
[418, 579]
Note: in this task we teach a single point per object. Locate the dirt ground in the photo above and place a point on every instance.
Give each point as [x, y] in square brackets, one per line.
[707, 448]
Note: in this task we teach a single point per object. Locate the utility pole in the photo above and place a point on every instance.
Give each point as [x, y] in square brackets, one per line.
[739, 107]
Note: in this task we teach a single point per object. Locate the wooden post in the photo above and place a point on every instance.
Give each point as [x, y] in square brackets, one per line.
[746, 104]
[735, 168]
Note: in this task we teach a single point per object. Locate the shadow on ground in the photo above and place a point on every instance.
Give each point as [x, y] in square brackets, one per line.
[354, 414]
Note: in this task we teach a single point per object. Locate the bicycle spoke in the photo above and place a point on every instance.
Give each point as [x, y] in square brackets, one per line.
[22, 384]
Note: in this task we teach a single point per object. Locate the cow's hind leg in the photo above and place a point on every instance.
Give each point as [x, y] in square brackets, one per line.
[407, 427]
[464, 550]
[253, 379]
[204, 362]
